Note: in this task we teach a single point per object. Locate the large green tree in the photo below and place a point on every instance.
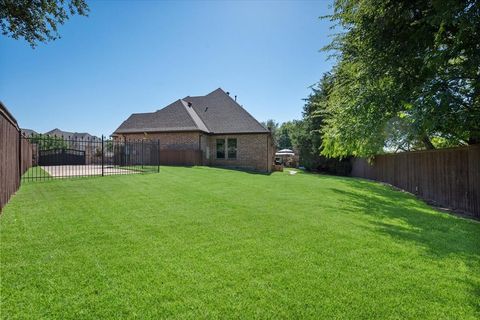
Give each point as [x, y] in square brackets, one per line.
[407, 75]
[37, 20]
[306, 135]
[284, 135]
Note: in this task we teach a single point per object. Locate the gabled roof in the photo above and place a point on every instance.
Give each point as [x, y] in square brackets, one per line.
[28, 132]
[174, 117]
[222, 114]
[71, 135]
[214, 113]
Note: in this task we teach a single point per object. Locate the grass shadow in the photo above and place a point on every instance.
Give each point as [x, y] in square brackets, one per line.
[243, 170]
[405, 218]
[420, 223]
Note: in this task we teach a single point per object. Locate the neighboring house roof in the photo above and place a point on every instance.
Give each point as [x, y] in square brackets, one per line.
[29, 132]
[216, 112]
[71, 135]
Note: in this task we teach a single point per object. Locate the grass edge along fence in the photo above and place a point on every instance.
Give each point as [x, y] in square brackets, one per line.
[15, 155]
[448, 178]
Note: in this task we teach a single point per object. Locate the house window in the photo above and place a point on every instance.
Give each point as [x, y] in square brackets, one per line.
[232, 148]
[220, 149]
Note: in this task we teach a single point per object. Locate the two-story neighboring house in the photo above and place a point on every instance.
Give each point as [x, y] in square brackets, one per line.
[215, 124]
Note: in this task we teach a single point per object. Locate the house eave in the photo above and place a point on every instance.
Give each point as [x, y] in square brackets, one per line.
[132, 131]
[239, 132]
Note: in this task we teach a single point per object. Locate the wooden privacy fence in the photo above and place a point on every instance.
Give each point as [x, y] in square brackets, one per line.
[15, 155]
[446, 177]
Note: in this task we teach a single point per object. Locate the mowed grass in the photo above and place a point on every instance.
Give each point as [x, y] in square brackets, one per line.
[34, 174]
[212, 243]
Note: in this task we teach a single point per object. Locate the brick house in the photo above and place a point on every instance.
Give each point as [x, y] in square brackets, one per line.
[215, 126]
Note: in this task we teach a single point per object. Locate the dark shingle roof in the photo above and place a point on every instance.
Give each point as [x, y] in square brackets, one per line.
[222, 114]
[214, 113]
[174, 117]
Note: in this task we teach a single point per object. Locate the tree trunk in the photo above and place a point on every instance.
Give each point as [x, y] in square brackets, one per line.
[428, 144]
[474, 137]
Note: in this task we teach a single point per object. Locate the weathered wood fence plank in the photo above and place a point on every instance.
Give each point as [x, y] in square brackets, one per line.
[15, 155]
[447, 177]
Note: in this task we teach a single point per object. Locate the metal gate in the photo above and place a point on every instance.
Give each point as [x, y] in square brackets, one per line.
[54, 157]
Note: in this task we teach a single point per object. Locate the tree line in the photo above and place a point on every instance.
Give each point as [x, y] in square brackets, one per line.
[406, 77]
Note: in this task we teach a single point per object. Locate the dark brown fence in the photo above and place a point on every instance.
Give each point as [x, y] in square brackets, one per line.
[188, 157]
[15, 155]
[446, 177]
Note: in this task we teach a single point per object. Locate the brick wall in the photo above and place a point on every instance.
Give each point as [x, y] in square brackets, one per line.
[254, 152]
[169, 140]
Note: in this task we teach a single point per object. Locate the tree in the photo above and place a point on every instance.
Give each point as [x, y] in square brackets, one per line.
[407, 76]
[306, 135]
[37, 20]
[272, 125]
[283, 136]
[280, 133]
[47, 142]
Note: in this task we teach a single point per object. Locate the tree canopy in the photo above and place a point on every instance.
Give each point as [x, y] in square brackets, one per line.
[37, 20]
[47, 142]
[407, 76]
[304, 136]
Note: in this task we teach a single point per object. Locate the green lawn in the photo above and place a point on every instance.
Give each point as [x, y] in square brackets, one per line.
[34, 174]
[141, 168]
[211, 243]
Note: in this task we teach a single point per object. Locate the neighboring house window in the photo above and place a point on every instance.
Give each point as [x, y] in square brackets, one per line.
[220, 149]
[232, 148]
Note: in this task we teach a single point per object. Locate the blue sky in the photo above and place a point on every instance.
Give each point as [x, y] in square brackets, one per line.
[130, 57]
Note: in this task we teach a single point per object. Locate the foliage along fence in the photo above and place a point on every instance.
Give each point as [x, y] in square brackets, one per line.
[448, 178]
[15, 155]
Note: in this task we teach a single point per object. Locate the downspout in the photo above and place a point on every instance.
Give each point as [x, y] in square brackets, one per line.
[200, 148]
[267, 152]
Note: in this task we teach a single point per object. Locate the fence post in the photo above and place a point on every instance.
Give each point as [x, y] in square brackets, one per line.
[103, 158]
[125, 150]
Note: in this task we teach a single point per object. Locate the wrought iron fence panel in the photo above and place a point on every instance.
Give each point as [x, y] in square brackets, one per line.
[55, 157]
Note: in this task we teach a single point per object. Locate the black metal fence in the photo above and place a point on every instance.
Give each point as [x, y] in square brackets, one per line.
[66, 157]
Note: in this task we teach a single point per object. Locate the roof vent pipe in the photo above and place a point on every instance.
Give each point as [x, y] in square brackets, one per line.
[235, 97]
[189, 103]
[227, 93]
